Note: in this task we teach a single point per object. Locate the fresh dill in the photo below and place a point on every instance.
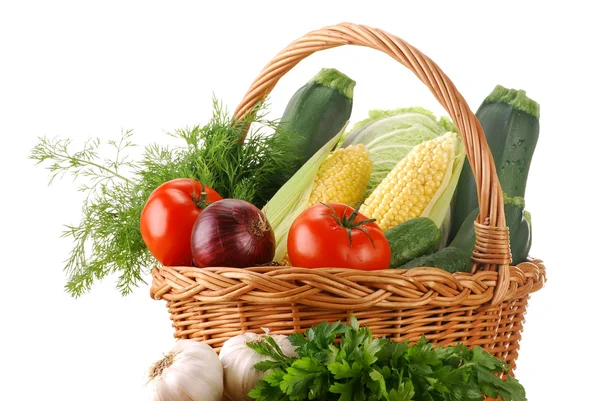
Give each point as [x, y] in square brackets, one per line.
[107, 239]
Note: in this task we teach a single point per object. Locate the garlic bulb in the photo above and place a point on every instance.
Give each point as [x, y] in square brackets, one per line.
[238, 363]
[190, 371]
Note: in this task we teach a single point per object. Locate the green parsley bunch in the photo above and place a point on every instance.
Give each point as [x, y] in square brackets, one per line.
[363, 368]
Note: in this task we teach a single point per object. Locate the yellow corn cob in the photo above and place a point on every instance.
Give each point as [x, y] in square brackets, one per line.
[343, 176]
[408, 189]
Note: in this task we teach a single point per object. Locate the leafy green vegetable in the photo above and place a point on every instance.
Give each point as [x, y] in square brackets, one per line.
[107, 240]
[214, 155]
[362, 368]
[391, 134]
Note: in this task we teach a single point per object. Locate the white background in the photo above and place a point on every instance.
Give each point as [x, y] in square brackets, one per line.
[90, 69]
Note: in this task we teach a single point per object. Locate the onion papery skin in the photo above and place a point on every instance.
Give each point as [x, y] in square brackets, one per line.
[232, 233]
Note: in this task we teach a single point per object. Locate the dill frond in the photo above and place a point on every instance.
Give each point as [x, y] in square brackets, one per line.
[107, 239]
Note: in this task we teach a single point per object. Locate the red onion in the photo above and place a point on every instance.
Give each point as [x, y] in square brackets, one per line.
[232, 233]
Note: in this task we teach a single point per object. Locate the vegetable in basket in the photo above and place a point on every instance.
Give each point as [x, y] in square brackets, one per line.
[411, 239]
[336, 235]
[518, 221]
[313, 116]
[168, 217]
[421, 184]
[389, 135]
[108, 238]
[232, 233]
[510, 121]
[190, 371]
[343, 176]
[293, 197]
[450, 259]
[361, 367]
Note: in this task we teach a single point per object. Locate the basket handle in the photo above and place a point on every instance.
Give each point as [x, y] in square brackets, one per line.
[492, 245]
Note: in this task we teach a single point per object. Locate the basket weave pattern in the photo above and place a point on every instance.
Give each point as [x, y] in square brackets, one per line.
[214, 304]
[485, 307]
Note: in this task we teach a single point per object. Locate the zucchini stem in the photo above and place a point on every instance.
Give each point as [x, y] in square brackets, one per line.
[516, 98]
[332, 78]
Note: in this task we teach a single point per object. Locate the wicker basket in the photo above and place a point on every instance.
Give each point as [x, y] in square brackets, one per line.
[484, 308]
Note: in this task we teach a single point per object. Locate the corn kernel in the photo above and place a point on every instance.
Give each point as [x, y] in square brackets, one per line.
[343, 177]
[407, 190]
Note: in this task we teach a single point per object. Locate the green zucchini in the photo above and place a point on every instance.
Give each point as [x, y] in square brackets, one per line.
[510, 121]
[316, 113]
[450, 259]
[518, 221]
[411, 239]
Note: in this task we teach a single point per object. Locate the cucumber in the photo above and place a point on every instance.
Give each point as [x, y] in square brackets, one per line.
[450, 259]
[411, 239]
[510, 121]
[316, 113]
[518, 221]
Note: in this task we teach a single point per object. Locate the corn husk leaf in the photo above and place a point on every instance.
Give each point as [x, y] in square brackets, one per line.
[438, 208]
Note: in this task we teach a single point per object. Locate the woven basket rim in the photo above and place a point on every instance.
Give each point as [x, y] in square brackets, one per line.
[348, 288]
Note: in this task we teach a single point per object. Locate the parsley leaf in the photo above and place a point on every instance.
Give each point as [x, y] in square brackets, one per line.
[268, 389]
[317, 340]
[404, 392]
[306, 379]
[268, 346]
[511, 390]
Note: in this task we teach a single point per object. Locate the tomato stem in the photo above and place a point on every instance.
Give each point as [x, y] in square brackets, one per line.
[349, 222]
[201, 201]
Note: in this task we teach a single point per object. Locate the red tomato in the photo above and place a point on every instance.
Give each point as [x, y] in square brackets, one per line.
[168, 218]
[329, 236]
